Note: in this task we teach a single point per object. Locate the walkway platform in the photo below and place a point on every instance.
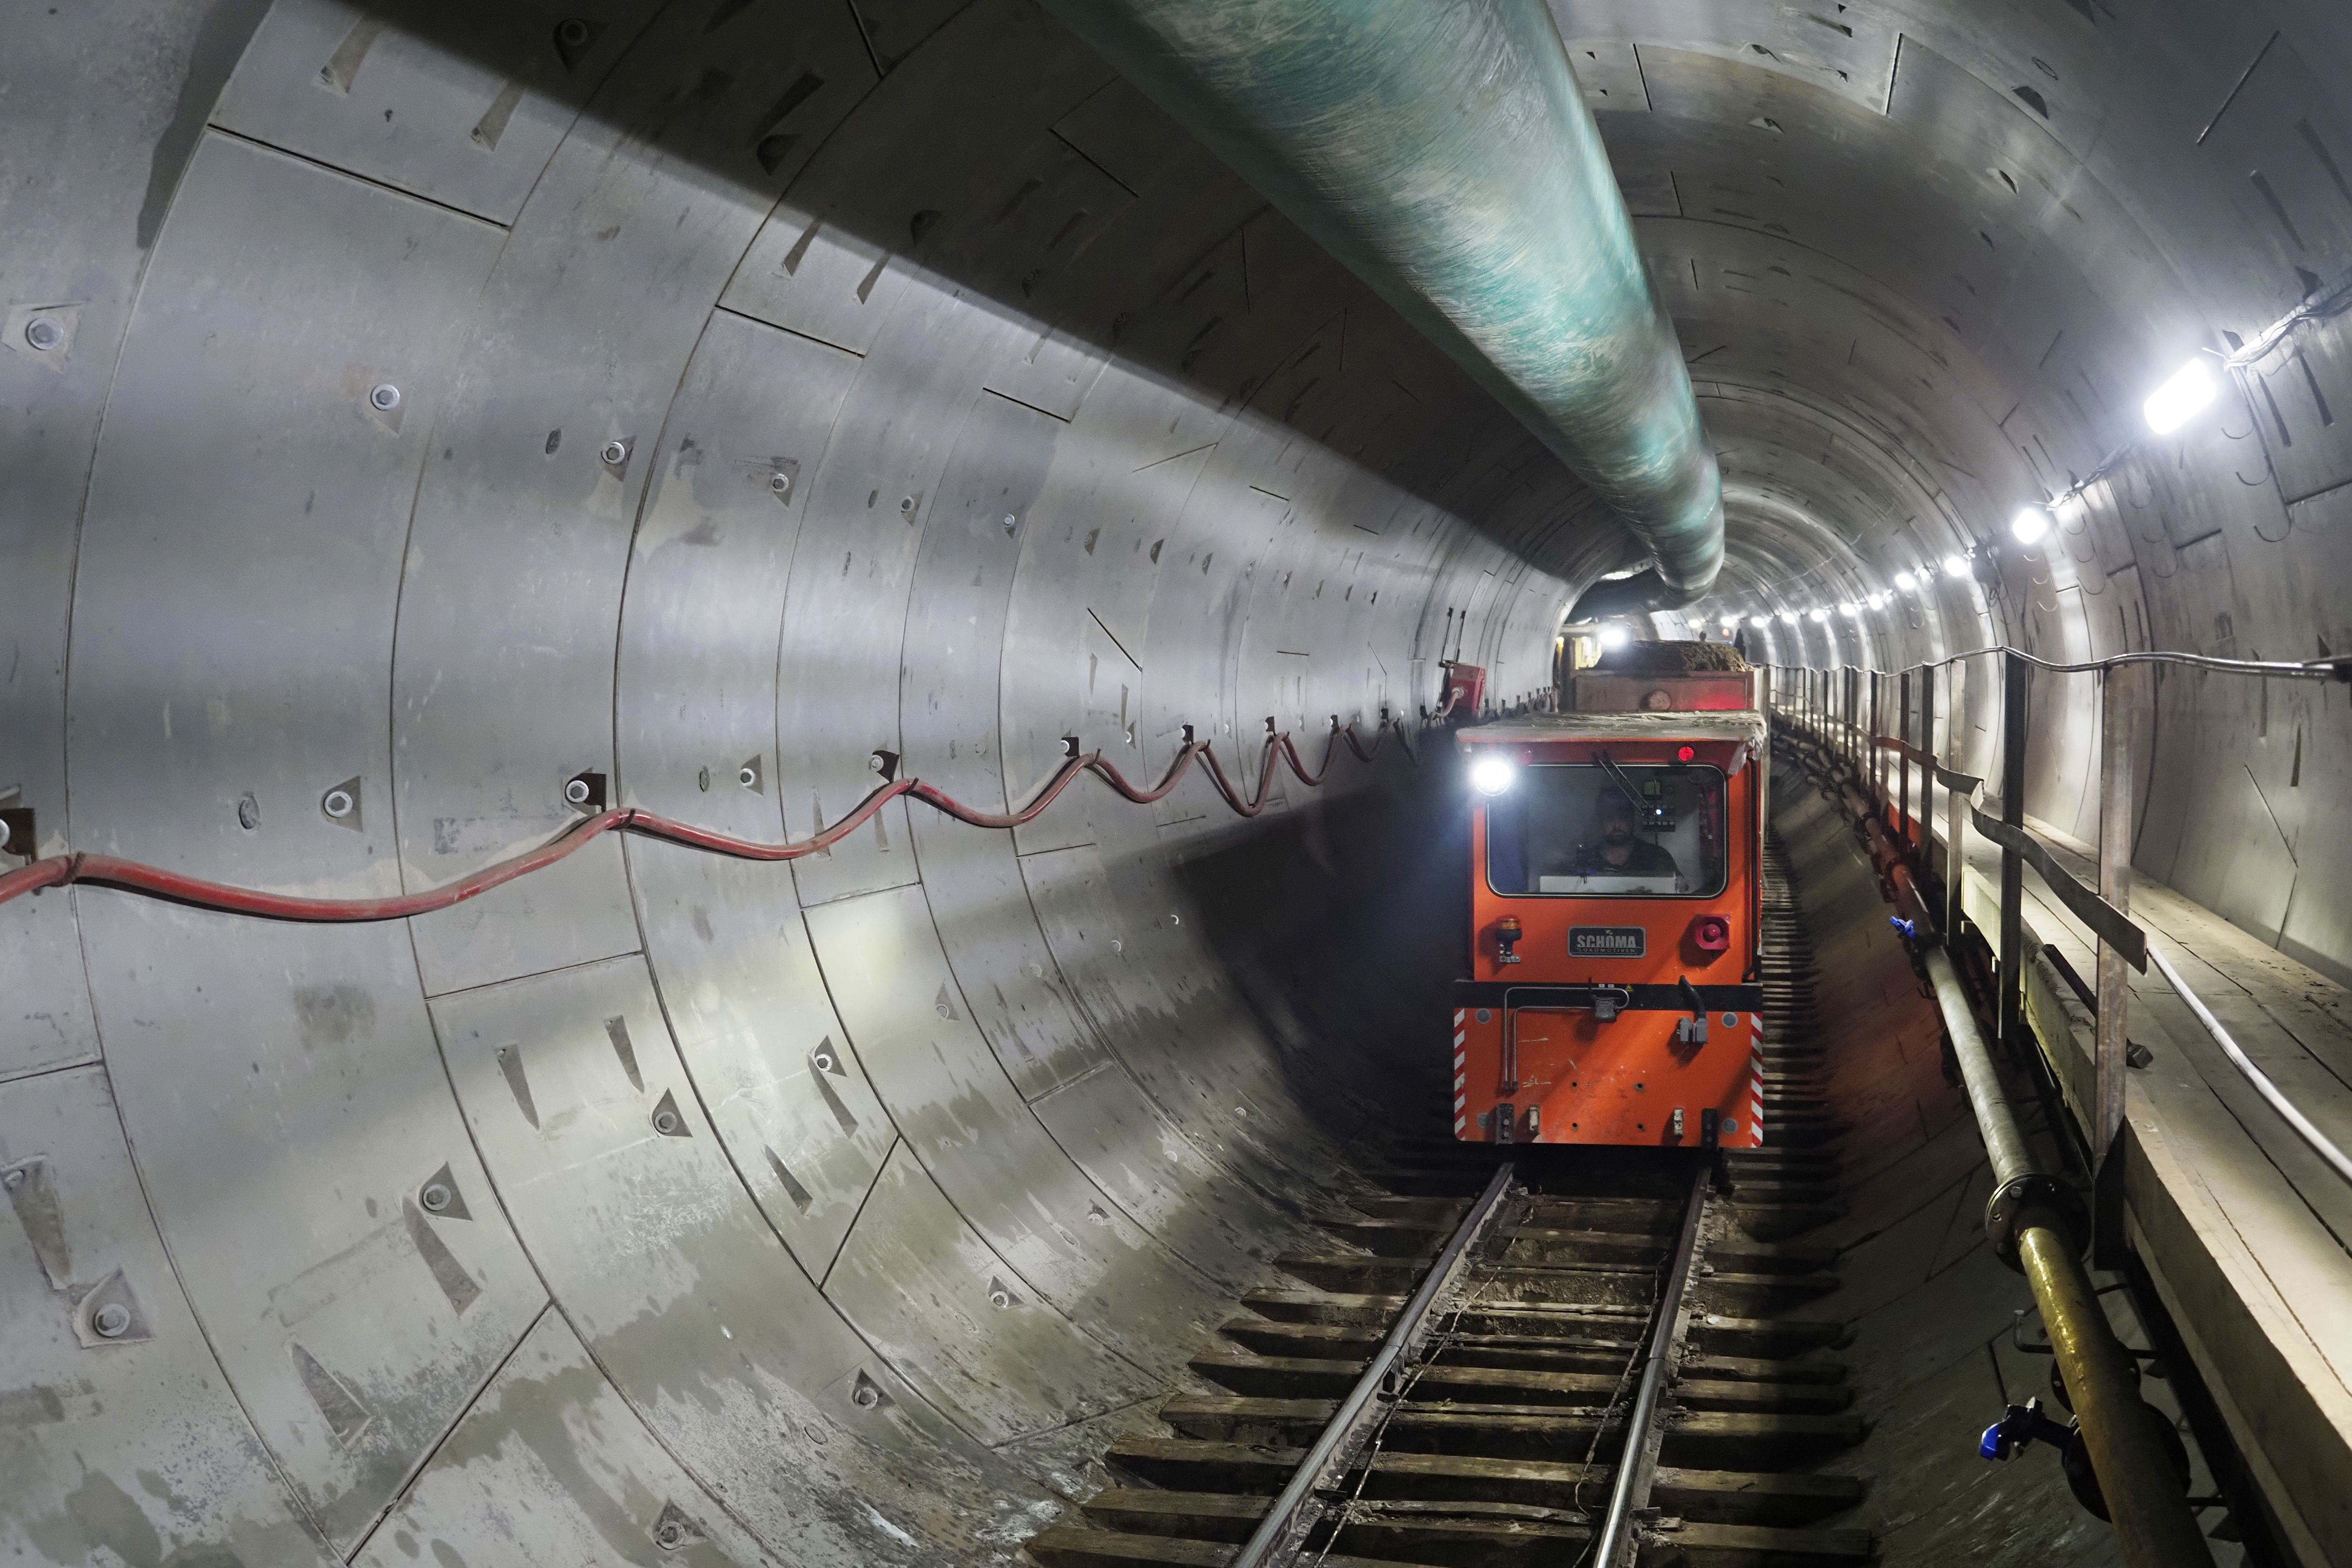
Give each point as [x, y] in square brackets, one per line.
[2245, 1231]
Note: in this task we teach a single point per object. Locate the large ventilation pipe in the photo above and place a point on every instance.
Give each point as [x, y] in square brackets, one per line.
[1441, 150]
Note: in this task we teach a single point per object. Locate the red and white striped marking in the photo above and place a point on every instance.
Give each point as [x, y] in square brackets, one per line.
[1756, 1093]
[1461, 1072]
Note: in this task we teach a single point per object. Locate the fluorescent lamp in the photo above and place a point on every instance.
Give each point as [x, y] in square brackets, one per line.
[2181, 399]
[2029, 524]
[1789, 616]
[1905, 581]
[1821, 617]
[1956, 566]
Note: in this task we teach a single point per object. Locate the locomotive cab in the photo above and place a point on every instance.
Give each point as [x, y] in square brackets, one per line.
[1615, 900]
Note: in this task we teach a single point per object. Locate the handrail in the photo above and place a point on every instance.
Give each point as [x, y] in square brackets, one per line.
[1965, 783]
[2321, 1144]
[2125, 937]
[2112, 925]
[2337, 668]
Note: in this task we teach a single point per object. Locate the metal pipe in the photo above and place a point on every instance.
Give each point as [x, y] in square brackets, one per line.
[1285, 1524]
[2154, 1526]
[1443, 154]
[1637, 1463]
[2005, 1148]
[2153, 1523]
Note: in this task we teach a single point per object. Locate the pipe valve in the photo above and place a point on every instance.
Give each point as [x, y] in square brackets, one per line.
[2018, 1429]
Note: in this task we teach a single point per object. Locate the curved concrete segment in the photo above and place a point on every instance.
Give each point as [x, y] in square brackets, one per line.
[424, 406]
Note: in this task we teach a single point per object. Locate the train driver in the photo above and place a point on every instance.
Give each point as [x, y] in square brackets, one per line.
[1619, 851]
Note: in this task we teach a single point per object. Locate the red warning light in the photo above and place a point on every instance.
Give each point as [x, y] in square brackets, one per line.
[1685, 753]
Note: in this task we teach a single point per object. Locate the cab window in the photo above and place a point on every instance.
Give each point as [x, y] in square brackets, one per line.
[1572, 830]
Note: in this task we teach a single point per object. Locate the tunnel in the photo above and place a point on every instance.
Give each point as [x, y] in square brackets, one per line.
[427, 429]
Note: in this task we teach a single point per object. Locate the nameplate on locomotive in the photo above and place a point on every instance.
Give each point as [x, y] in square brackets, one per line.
[1607, 942]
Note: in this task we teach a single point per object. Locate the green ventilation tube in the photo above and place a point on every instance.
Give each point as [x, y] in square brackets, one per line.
[1442, 150]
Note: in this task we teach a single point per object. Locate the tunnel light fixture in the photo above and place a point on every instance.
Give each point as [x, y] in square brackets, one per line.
[1493, 774]
[1876, 601]
[2188, 393]
[1613, 637]
[1761, 621]
[1905, 581]
[2029, 524]
[1788, 617]
[1956, 566]
[1821, 617]
[1850, 609]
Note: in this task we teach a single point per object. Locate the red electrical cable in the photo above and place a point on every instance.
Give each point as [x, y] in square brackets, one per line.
[132, 876]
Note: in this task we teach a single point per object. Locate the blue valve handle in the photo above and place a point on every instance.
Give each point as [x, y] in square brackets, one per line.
[1910, 930]
[2017, 1430]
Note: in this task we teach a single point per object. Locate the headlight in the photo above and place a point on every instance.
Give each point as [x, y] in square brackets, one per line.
[1493, 774]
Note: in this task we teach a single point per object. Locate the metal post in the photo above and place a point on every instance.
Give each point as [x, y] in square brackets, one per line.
[1956, 863]
[1877, 758]
[2116, 798]
[1926, 775]
[2013, 869]
[1903, 807]
[1853, 695]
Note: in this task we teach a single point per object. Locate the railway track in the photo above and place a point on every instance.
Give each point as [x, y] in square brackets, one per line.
[1522, 1314]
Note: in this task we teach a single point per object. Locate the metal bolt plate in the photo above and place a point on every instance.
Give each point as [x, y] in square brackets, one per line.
[384, 398]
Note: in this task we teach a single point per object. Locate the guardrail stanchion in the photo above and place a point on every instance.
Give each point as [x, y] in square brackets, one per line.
[2116, 798]
[2014, 689]
[1902, 765]
[1927, 773]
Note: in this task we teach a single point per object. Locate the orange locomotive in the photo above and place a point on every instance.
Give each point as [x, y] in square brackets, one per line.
[1616, 893]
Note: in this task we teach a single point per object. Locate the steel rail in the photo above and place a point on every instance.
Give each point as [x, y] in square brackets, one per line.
[1637, 1461]
[1284, 1530]
[2321, 1144]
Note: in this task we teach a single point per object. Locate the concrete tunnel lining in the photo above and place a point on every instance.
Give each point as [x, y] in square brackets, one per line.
[969, 270]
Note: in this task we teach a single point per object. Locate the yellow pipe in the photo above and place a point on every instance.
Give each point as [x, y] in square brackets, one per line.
[2153, 1522]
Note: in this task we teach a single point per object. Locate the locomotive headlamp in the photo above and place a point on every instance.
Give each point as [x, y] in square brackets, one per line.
[1493, 774]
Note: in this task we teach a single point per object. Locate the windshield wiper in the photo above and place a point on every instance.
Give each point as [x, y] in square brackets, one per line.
[1647, 814]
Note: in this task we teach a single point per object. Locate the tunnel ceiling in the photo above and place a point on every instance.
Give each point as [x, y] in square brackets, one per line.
[432, 404]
